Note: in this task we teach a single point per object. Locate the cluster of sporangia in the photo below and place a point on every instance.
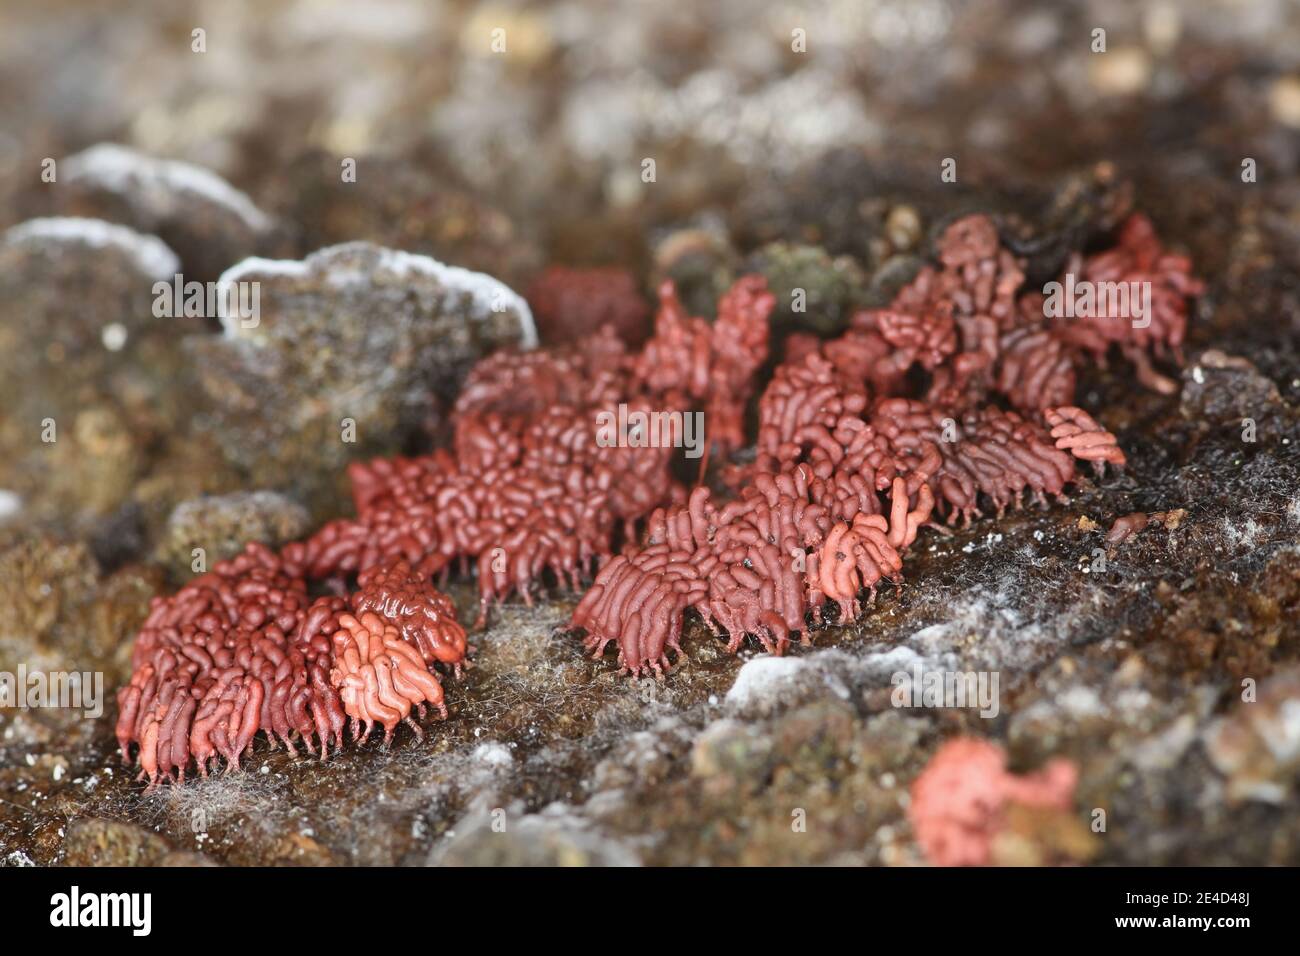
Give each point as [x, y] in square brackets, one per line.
[852, 458]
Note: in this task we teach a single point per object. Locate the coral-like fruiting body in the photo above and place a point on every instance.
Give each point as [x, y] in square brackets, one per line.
[756, 567]
[425, 617]
[1128, 525]
[380, 676]
[571, 304]
[531, 487]
[956, 398]
[1138, 259]
[243, 648]
[959, 800]
[1075, 431]
[850, 461]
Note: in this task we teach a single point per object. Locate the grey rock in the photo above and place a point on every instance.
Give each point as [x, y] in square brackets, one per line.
[221, 525]
[828, 287]
[556, 836]
[87, 373]
[348, 353]
[207, 221]
[99, 842]
[1219, 388]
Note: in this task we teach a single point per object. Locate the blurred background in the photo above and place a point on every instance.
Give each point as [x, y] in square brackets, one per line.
[805, 141]
[550, 134]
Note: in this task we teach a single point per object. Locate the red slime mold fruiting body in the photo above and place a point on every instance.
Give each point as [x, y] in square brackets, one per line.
[531, 488]
[852, 458]
[570, 304]
[957, 398]
[959, 800]
[243, 648]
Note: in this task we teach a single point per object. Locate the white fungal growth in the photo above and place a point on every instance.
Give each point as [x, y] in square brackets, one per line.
[151, 254]
[493, 754]
[1080, 702]
[763, 680]
[10, 504]
[1241, 534]
[153, 182]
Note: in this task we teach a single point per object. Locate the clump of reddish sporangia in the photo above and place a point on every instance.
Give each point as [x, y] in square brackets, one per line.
[527, 488]
[243, 648]
[532, 487]
[571, 304]
[1128, 525]
[960, 801]
[850, 462]
[956, 398]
